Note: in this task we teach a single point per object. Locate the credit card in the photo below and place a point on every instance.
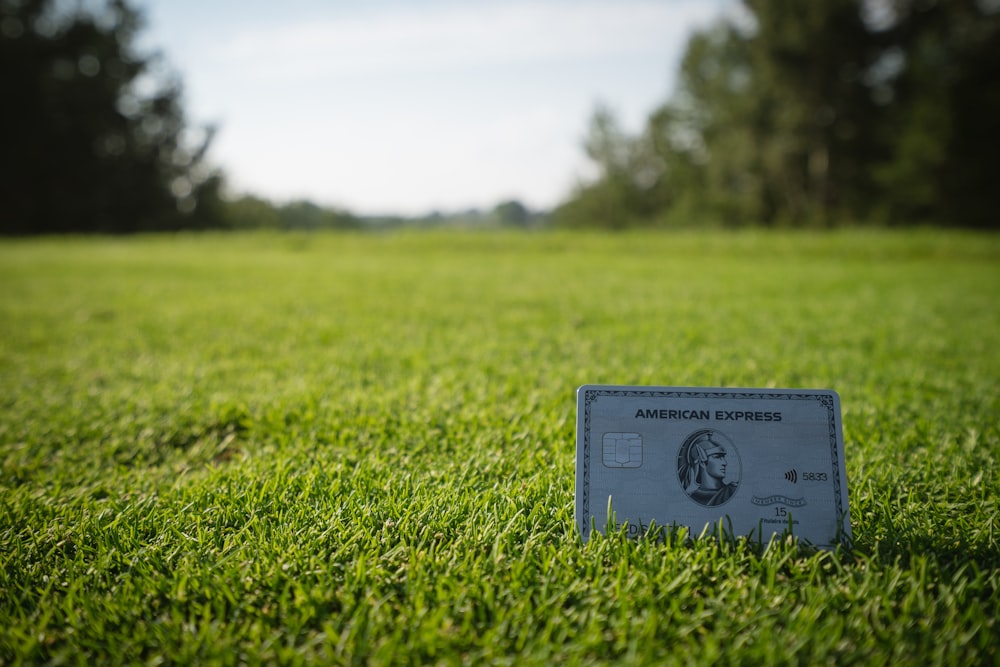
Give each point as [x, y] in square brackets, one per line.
[753, 462]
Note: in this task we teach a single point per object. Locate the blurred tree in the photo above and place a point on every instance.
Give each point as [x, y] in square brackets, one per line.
[93, 134]
[809, 60]
[774, 115]
[625, 191]
[938, 86]
[714, 129]
[815, 113]
[513, 213]
[250, 212]
[307, 215]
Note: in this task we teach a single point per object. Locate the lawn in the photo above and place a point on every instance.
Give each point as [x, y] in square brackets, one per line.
[359, 448]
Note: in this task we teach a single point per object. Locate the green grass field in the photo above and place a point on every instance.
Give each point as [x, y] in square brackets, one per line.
[360, 449]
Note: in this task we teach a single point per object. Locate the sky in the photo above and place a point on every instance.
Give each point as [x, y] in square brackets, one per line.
[387, 107]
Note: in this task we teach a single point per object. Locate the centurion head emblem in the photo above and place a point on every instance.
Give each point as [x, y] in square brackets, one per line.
[708, 467]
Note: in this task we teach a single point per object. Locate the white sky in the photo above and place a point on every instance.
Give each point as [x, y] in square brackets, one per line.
[400, 107]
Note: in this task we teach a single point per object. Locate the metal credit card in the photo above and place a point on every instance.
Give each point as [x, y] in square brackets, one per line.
[756, 462]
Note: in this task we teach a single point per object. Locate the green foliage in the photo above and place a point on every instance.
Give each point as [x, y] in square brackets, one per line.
[942, 105]
[250, 212]
[812, 114]
[513, 213]
[307, 215]
[93, 134]
[625, 190]
[338, 449]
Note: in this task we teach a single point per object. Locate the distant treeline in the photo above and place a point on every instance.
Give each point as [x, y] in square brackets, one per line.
[252, 212]
[94, 139]
[814, 112]
[797, 112]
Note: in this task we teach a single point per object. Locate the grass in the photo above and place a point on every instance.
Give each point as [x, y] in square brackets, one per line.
[360, 448]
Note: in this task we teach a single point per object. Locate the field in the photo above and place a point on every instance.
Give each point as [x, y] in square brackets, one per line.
[347, 449]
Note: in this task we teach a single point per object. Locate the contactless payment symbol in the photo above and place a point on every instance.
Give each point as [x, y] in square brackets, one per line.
[622, 450]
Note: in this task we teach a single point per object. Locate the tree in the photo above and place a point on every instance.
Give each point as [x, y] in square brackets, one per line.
[94, 137]
[779, 113]
[626, 189]
[811, 59]
[512, 212]
[942, 107]
[250, 212]
[713, 130]
[816, 112]
[306, 215]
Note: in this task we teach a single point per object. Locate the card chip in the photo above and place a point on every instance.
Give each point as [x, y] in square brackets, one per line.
[622, 450]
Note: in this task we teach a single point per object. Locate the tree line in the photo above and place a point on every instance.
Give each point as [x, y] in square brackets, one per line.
[94, 138]
[814, 113]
